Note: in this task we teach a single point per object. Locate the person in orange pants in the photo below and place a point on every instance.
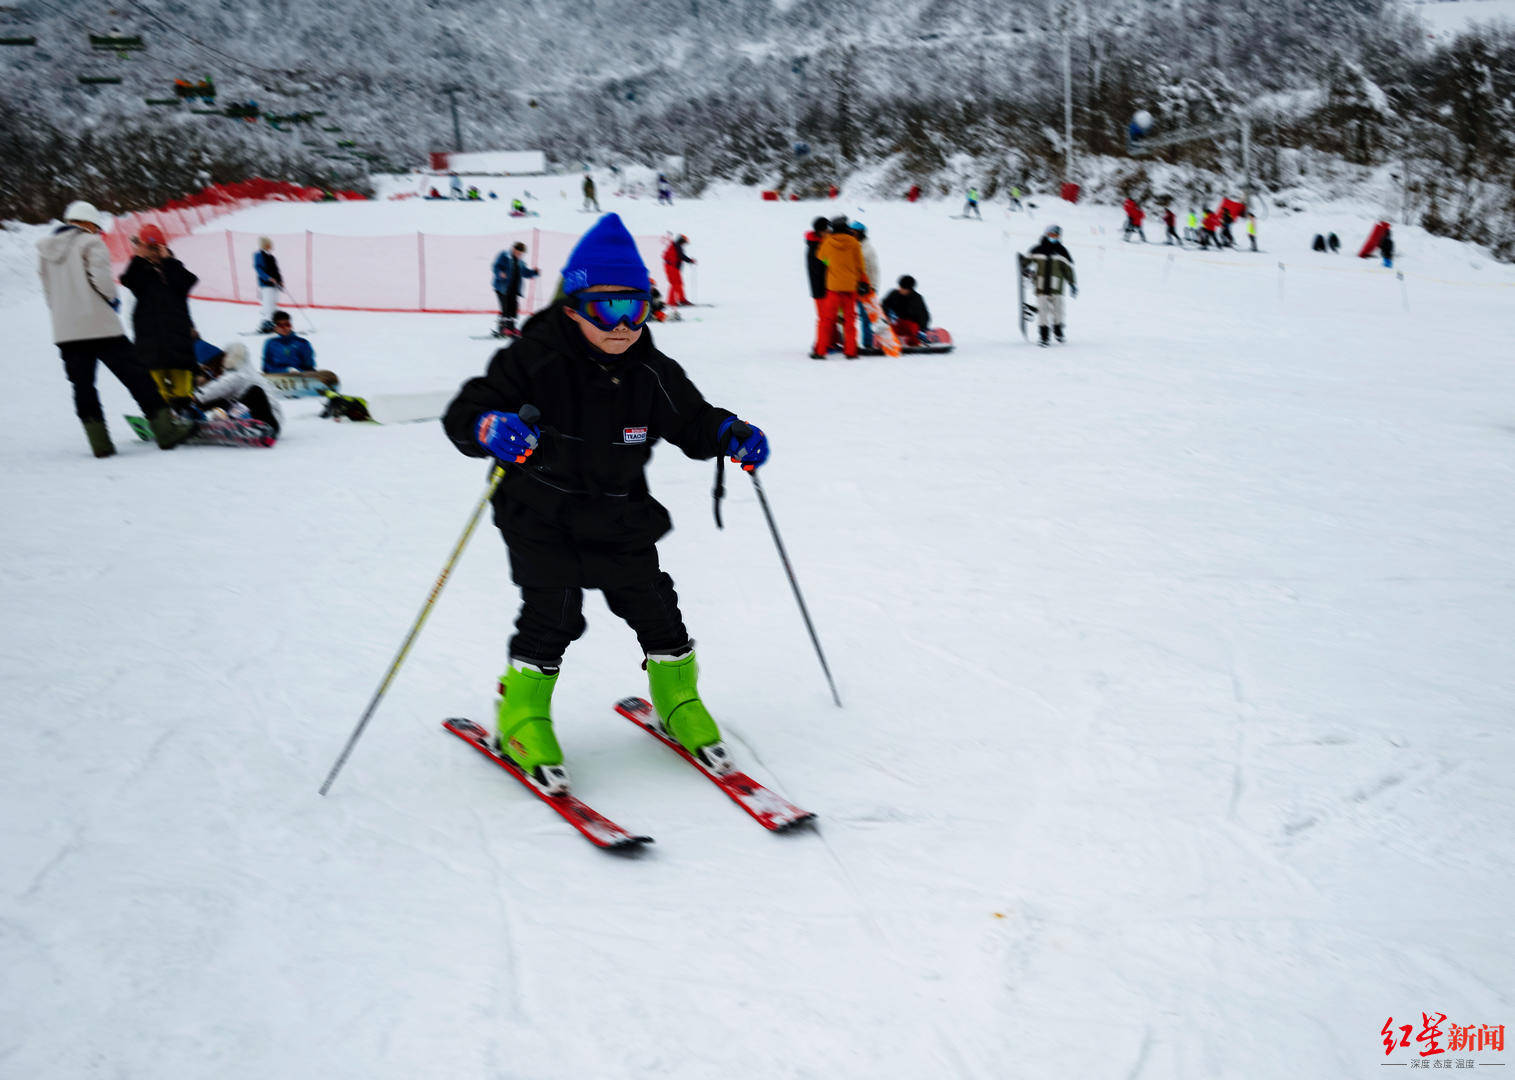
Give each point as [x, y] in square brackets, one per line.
[845, 278]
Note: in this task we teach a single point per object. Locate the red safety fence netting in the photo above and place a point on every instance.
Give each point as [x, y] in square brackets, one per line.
[415, 272]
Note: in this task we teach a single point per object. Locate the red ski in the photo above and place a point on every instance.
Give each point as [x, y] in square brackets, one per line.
[771, 810]
[598, 829]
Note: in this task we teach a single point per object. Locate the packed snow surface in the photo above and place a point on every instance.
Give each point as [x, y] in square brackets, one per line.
[1176, 667]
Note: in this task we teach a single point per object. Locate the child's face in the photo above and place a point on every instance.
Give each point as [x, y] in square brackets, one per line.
[611, 342]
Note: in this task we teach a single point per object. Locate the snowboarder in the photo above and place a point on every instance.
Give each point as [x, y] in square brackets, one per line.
[1386, 248]
[846, 276]
[1051, 270]
[287, 352]
[81, 297]
[161, 324]
[270, 282]
[1318, 244]
[665, 193]
[574, 506]
[674, 258]
[1334, 243]
[1015, 198]
[907, 312]
[1134, 218]
[971, 206]
[591, 200]
[517, 208]
[227, 382]
[1170, 224]
[455, 185]
[510, 274]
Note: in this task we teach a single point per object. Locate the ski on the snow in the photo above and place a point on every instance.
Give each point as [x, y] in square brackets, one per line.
[770, 809]
[598, 829]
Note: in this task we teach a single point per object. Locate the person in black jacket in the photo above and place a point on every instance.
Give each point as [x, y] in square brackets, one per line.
[574, 507]
[813, 266]
[907, 312]
[161, 325]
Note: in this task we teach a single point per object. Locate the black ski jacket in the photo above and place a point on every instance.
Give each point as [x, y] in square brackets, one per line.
[1051, 248]
[910, 306]
[814, 267]
[578, 512]
[161, 324]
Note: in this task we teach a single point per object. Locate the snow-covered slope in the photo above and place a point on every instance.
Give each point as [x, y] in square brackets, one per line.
[1175, 661]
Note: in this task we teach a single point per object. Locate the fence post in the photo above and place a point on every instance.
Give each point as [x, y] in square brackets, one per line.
[421, 268]
[310, 270]
[231, 262]
[531, 293]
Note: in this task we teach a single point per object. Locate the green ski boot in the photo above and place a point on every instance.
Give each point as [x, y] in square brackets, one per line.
[676, 697]
[169, 428]
[525, 723]
[99, 438]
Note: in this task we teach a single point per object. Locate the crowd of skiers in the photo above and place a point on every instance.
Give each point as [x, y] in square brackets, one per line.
[183, 384]
[1206, 228]
[842, 268]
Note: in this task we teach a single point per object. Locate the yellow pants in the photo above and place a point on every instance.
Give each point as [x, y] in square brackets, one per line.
[174, 382]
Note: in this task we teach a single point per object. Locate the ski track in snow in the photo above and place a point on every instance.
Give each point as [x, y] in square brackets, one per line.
[1175, 664]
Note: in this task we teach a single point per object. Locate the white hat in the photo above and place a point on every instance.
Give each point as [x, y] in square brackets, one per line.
[79, 210]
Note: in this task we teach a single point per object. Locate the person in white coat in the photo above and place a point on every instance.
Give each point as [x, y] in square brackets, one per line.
[81, 296]
[229, 383]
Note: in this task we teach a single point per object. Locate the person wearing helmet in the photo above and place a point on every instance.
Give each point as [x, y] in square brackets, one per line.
[161, 323]
[81, 297]
[870, 267]
[846, 276]
[674, 258]
[574, 506]
[1051, 270]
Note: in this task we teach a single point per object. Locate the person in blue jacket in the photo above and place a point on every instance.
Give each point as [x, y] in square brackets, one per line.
[510, 274]
[287, 353]
[270, 281]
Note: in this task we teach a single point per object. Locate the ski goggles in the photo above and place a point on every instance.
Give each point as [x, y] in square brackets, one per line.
[609, 310]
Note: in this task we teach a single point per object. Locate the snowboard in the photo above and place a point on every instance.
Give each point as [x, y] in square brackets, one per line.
[224, 431]
[297, 384]
[1023, 266]
[884, 338]
[386, 408]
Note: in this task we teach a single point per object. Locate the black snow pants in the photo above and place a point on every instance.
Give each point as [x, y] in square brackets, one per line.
[116, 353]
[551, 619]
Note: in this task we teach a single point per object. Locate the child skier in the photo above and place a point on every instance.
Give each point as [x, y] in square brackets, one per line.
[971, 206]
[270, 281]
[1134, 218]
[674, 258]
[510, 274]
[1051, 269]
[574, 507]
[1170, 223]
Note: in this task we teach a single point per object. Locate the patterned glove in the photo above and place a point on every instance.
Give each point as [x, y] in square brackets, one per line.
[506, 436]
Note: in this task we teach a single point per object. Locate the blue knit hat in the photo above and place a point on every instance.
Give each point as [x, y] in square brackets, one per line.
[605, 255]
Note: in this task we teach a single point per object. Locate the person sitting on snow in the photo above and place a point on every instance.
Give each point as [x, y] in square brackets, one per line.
[517, 208]
[288, 353]
[907, 312]
[227, 382]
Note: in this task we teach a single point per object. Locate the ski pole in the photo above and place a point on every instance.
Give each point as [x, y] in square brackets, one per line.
[742, 431]
[309, 322]
[531, 415]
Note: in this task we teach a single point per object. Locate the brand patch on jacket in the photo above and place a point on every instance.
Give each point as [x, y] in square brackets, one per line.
[633, 435]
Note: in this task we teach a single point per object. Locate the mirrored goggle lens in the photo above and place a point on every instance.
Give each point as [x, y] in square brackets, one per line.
[610, 312]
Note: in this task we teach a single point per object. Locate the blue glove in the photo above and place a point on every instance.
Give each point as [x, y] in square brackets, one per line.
[750, 452]
[506, 436]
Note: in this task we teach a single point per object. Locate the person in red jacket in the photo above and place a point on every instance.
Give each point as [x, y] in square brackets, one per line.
[1134, 218]
[1209, 224]
[674, 259]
